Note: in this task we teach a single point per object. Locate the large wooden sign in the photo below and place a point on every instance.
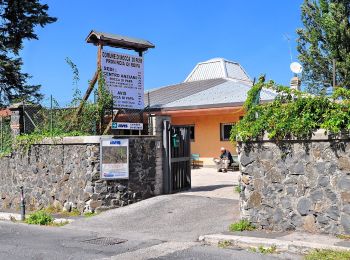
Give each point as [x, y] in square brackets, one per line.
[123, 74]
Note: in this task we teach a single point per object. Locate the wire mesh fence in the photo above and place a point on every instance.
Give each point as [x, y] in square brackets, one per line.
[54, 119]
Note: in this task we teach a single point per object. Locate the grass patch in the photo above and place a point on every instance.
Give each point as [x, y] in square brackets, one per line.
[59, 224]
[238, 189]
[346, 237]
[52, 209]
[89, 214]
[241, 225]
[327, 255]
[72, 213]
[40, 217]
[267, 250]
[224, 244]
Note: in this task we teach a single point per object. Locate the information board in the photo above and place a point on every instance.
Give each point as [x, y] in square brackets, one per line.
[123, 74]
[115, 159]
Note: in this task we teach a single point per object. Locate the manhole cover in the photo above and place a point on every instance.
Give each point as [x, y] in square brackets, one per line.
[105, 241]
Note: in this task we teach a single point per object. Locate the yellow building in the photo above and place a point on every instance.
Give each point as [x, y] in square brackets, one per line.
[209, 101]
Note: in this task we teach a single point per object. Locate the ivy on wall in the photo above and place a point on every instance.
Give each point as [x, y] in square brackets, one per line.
[291, 113]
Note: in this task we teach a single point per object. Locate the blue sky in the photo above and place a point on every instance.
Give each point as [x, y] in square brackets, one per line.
[185, 32]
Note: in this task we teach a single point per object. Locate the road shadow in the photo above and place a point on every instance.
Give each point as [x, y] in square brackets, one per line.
[209, 187]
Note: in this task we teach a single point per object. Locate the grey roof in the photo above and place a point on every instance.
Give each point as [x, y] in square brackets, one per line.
[204, 94]
[119, 41]
[218, 68]
[162, 96]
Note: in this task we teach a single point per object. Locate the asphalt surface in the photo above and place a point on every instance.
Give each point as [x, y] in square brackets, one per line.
[163, 227]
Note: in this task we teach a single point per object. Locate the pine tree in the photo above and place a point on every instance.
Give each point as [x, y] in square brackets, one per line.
[324, 38]
[18, 21]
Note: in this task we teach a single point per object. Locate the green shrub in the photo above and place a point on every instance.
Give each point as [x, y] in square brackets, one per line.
[291, 114]
[241, 225]
[238, 189]
[327, 255]
[40, 218]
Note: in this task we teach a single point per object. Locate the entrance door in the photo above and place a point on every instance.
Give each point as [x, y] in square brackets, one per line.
[180, 158]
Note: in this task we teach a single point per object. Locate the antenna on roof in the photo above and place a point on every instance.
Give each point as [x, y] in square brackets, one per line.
[295, 67]
[286, 36]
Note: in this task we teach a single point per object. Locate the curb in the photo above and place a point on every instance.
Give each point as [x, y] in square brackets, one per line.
[10, 216]
[294, 246]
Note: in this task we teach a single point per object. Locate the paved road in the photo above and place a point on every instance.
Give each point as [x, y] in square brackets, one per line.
[164, 227]
[19, 241]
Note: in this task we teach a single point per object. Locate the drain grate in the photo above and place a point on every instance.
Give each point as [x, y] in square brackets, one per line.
[105, 241]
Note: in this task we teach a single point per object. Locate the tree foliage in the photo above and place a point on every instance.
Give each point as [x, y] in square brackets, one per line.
[325, 36]
[292, 114]
[18, 21]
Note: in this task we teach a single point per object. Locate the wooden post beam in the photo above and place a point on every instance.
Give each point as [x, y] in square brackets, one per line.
[92, 82]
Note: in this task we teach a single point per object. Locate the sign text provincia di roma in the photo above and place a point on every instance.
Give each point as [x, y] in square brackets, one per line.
[123, 74]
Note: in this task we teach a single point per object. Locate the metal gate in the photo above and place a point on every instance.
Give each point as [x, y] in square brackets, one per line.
[180, 158]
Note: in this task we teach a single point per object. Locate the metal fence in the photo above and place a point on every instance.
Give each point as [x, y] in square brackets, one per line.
[52, 119]
[55, 119]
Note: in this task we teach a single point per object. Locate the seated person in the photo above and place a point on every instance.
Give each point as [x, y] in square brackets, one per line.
[224, 161]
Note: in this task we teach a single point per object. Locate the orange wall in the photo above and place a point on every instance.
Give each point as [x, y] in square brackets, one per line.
[207, 132]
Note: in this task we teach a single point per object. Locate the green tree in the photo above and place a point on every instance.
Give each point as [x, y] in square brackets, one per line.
[325, 36]
[18, 21]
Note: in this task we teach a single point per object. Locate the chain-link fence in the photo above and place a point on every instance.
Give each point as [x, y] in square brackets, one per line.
[53, 120]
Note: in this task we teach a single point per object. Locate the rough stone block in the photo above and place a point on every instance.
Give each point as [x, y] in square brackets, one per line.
[304, 206]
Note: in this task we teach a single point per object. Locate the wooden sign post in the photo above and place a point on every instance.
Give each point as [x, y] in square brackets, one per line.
[116, 41]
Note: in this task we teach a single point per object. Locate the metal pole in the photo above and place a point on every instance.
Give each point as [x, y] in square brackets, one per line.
[51, 116]
[23, 205]
[24, 118]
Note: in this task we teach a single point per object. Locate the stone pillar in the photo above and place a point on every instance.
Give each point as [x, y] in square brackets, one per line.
[162, 159]
[17, 126]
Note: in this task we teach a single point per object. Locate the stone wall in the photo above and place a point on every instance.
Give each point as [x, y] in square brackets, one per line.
[297, 185]
[66, 173]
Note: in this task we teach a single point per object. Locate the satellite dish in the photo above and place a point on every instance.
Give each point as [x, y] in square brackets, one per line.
[296, 67]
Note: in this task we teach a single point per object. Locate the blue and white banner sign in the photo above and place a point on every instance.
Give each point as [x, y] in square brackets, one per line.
[127, 126]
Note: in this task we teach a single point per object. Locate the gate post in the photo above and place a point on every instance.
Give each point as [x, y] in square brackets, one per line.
[161, 124]
[17, 124]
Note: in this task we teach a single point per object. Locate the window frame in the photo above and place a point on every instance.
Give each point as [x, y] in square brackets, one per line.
[222, 132]
[194, 132]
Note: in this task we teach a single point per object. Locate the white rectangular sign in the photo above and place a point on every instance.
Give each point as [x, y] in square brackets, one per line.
[123, 74]
[114, 159]
[127, 126]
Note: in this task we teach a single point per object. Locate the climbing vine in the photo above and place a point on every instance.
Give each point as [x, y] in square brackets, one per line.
[292, 113]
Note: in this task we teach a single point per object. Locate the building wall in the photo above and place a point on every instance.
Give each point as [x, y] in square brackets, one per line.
[207, 141]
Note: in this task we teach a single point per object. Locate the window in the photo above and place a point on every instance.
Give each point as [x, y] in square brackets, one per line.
[225, 130]
[192, 133]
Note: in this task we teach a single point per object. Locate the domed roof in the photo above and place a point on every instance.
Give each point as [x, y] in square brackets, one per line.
[218, 68]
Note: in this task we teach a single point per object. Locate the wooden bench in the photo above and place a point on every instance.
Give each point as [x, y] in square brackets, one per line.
[195, 162]
[235, 165]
